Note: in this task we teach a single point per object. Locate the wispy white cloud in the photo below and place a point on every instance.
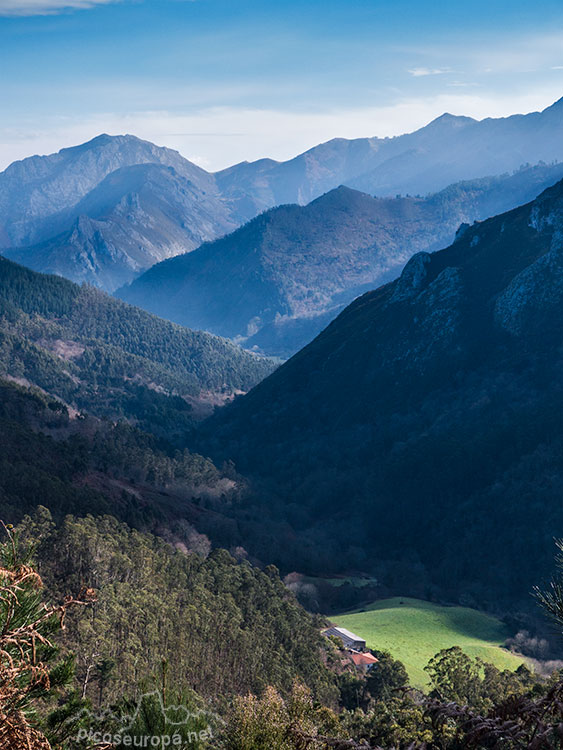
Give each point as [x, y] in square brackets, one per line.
[418, 72]
[462, 84]
[46, 7]
[530, 51]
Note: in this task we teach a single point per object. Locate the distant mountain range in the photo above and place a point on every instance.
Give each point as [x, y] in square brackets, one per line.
[107, 210]
[447, 150]
[278, 281]
[424, 424]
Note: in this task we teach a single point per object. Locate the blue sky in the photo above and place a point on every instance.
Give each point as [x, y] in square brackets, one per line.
[227, 80]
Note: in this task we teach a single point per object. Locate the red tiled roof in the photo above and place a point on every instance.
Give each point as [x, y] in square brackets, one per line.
[361, 660]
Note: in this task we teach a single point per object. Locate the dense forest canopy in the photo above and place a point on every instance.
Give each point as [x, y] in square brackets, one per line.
[214, 651]
[101, 355]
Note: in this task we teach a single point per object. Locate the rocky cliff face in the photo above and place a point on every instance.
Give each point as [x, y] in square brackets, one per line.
[144, 202]
[136, 217]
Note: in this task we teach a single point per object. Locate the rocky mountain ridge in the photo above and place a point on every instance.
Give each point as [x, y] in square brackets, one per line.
[106, 210]
[278, 281]
[42, 197]
[449, 149]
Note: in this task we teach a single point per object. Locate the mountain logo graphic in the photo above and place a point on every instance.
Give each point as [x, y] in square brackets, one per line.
[174, 716]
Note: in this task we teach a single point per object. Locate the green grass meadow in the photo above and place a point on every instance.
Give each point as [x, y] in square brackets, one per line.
[413, 631]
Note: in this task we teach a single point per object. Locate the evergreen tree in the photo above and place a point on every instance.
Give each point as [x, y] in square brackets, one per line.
[30, 672]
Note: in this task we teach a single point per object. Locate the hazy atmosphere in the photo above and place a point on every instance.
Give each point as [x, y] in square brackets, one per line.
[224, 81]
[281, 391]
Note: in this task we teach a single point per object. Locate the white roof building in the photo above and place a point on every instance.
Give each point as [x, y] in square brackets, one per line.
[349, 639]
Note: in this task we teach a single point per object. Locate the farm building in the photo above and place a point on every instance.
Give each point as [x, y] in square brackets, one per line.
[349, 640]
[363, 662]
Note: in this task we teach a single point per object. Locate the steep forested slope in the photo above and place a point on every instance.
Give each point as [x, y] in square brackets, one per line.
[221, 625]
[423, 425]
[80, 464]
[99, 354]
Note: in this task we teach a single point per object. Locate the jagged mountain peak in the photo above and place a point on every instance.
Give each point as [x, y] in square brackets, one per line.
[119, 140]
[449, 120]
[146, 203]
[37, 188]
[82, 226]
[103, 139]
[96, 144]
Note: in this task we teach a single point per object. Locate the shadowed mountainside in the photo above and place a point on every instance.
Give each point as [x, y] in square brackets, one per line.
[423, 424]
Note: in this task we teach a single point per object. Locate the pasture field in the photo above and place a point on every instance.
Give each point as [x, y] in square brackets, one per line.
[413, 631]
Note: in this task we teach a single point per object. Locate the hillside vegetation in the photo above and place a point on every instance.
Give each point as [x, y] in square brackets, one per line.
[162, 640]
[101, 355]
[216, 620]
[86, 465]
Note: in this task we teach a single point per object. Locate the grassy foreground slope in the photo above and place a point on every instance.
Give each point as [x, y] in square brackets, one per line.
[413, 631]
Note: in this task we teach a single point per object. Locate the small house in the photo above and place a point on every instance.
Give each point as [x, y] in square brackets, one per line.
[349, 640]
[363, 662]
